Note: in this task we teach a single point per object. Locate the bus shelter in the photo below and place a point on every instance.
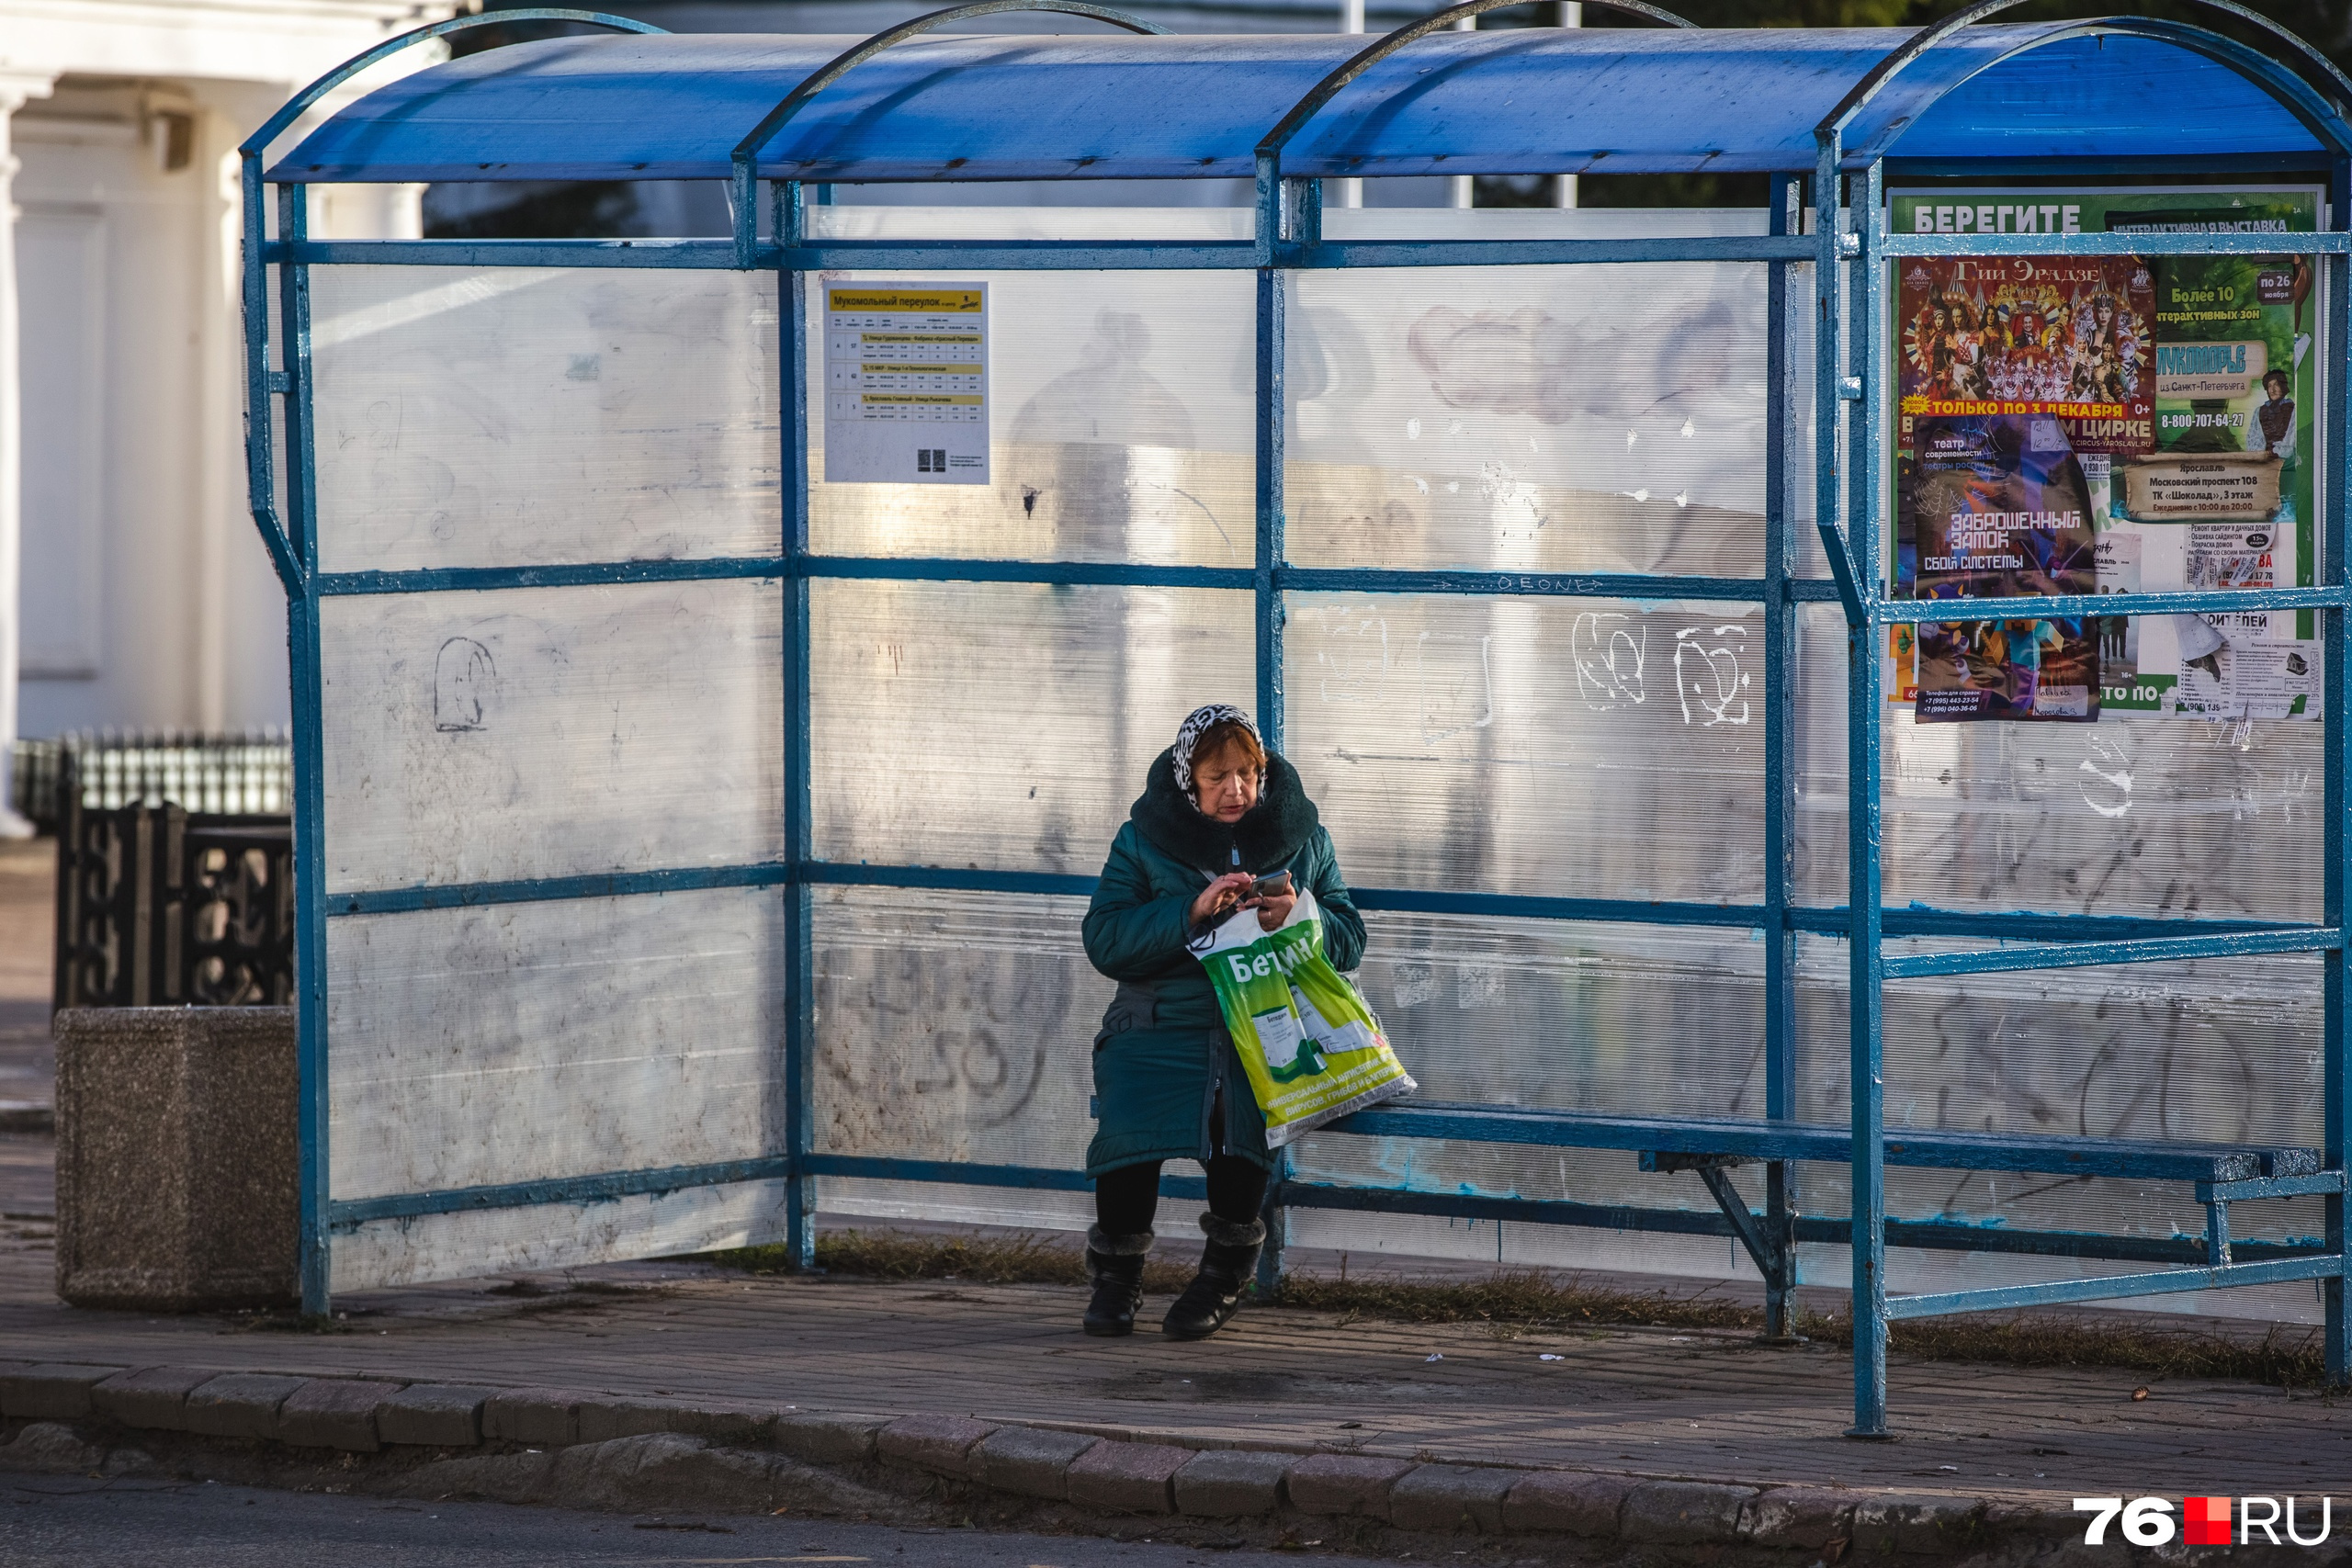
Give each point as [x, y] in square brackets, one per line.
[1835, 713]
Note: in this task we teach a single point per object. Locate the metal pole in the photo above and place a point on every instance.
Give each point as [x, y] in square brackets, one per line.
[1779, 715]
[1350, 192]
[2336, 744]
[1564, 187]
[1271, 399]
[310, 751]
[1864, 718]
[800, 978]
[1462, 190]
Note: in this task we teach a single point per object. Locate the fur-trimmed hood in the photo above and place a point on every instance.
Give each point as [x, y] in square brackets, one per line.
[1269, 835]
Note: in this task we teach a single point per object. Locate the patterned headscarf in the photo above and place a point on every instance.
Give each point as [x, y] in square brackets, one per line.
[1198, 722]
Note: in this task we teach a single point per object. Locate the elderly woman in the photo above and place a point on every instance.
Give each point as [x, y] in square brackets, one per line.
[1218, 814]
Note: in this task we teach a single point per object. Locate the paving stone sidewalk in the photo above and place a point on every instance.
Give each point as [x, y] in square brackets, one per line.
[1697, 1405]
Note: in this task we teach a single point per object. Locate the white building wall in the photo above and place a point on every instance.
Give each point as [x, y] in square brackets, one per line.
[146, 598]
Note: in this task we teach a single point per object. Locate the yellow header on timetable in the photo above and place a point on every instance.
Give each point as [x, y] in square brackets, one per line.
[929, 400]
[923, 302]
[872, 369]
[918, 337]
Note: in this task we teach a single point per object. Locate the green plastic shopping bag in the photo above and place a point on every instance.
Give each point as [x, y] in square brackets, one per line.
[1310, 1046]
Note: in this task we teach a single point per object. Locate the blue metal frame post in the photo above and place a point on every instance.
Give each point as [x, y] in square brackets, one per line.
[1865, 721]
[309, 754]
[2335, 624]
[1779, 719]
[800, 977]
[1272, 382]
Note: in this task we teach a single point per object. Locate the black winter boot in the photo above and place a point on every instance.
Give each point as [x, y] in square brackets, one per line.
[1116, 1263]
[1228, 1263]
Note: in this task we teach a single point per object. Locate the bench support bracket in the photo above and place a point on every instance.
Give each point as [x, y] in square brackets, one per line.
[1770, 1237]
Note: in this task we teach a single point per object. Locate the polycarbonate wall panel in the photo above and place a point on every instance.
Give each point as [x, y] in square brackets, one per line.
[2218, 1050]
[1580, 748]
[1649, 1021]
[1537, 419]
[473, 1243]
[1122, 424]
[523, 1042]
[525, 415]
[534, 732]
[1004, 724]
[955, 1026]
[2140, 814]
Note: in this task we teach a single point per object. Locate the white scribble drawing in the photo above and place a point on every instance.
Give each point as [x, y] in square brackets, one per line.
[2116, 799]
[1610, 651]
[1708, 677]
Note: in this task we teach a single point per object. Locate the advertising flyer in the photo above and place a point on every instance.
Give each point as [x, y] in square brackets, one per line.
[1999, 509]
[2178, 393]
[907, 383]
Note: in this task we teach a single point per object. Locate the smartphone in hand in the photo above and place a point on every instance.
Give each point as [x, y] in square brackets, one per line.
[1274, 886]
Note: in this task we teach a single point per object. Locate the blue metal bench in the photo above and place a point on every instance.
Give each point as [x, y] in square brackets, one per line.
[1710, 1147]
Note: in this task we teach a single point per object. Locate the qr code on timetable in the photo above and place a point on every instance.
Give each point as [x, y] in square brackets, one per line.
[931, 460]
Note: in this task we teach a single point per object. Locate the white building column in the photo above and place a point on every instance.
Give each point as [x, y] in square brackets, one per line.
[16, 86]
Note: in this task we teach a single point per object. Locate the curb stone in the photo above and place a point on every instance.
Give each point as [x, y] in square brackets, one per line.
[576, 1449]
[50, 1390]
[332, 1413]
[944, 1445]
[1561, 1501]
[155, 1397]
[438, 1415]
[1806, 1517]
[1033, 1464]
[1231, 1483]
[1900, 1523]
[1683, 1513]
[1128, 1478]
[1450, 1497]
[1344, 1483]
[239, 1405]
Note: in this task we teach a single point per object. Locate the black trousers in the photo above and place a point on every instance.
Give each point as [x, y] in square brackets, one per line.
[1125, 1199]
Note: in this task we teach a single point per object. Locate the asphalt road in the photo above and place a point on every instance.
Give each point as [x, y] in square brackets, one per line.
[53, 1521]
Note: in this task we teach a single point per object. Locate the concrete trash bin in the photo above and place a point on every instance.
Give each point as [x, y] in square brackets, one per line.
[176, 1158]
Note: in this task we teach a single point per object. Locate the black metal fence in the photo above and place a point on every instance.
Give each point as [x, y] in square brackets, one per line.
[160, 907]
[246, 774]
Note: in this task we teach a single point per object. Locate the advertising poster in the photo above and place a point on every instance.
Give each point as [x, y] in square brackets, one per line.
[2183, 391]
[1998, 508]
[907, 383]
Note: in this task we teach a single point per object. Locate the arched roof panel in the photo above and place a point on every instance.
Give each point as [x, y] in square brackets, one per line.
[1128, 107]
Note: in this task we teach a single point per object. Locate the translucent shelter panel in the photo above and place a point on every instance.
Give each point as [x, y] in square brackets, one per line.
[526, 1041]
[1654, 1021]
[1587, 418]
[954, 1026]
[527, 415]
[535, 732]
[1004, 724]
[1121, 428]
[2139, 813]
[2219, 1049]
[1564, 747]
[557, 1235]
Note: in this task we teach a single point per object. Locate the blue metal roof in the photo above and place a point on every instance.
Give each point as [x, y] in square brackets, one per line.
[1119, 105]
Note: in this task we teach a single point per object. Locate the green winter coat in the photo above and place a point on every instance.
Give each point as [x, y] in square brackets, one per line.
[1163, 1052]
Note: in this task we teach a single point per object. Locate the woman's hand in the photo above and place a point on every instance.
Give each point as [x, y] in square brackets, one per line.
[1273, 909]
[1220, 898]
